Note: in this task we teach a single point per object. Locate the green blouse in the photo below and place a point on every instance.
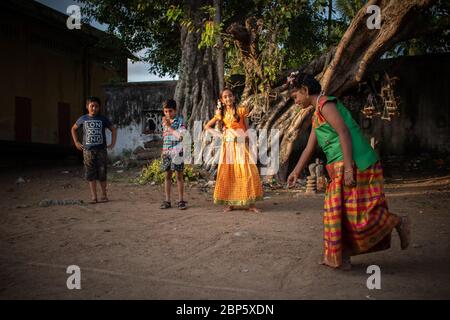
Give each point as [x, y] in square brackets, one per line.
[328, 139]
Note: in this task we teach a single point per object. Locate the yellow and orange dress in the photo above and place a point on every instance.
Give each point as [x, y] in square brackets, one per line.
[237, 182]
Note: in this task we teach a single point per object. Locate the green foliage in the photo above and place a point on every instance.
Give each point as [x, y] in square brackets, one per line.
[142, 26]
[329, 29]
[290, 34]
[307, 37]
[437, 41]
[174, 13]
[209, 30]
[152, 173]
[154, 28]
[294, 32]
[191, 173]
[277, 18]
[349, 8]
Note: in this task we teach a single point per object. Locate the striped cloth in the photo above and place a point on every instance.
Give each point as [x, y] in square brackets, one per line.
[356, 219]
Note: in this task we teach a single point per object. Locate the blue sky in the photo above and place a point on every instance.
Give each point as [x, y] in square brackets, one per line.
[136, 71]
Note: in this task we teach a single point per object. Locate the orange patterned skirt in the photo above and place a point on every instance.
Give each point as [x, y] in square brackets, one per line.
[356, 219]
[237, 181]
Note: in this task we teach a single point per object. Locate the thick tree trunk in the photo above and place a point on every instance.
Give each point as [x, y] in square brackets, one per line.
[341, 68]
[219, 49]
[246, 38]
[198, 85]
[361, 46]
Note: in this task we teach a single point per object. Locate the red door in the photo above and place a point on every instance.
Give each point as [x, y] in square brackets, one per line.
[64, 123]
[22, 119]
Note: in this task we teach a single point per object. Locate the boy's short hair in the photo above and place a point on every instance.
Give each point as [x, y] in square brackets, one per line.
[170, 104]
[93, 99]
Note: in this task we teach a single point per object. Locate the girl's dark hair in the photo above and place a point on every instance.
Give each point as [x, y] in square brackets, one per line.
[222, 110]
[170, 104]
[307, 80]
[93, 99]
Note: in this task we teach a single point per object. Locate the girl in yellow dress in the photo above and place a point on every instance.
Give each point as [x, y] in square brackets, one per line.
[237, 182]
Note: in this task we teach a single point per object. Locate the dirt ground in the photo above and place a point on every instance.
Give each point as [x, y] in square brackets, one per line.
[130, 249]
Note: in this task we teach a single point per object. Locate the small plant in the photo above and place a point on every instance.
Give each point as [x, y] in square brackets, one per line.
[153, 173]
[191, 173]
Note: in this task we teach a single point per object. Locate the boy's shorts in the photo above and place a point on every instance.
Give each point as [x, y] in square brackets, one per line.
[95, 162]
[167, 164]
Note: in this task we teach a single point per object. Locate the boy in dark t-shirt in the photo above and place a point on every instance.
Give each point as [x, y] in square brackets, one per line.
[94, 146]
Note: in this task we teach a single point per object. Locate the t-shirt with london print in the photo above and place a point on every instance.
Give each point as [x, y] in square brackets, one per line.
[94, 136]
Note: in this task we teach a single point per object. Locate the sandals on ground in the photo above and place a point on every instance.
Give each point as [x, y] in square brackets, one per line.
[165, 205]
[182, 205]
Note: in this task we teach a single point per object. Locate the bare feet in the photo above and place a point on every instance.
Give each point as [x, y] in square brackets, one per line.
[93, 201]
[254, 209]
[404, 231]
[346, 264]
[228, 209]
[104, 199]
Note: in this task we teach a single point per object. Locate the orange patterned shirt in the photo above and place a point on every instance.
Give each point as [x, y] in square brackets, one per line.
[230, 122]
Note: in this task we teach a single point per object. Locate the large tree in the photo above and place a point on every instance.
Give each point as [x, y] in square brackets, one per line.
[169, 33]
[201, 67]
[143, 27]
[187, 38]
[202, 39]
[343, 66]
